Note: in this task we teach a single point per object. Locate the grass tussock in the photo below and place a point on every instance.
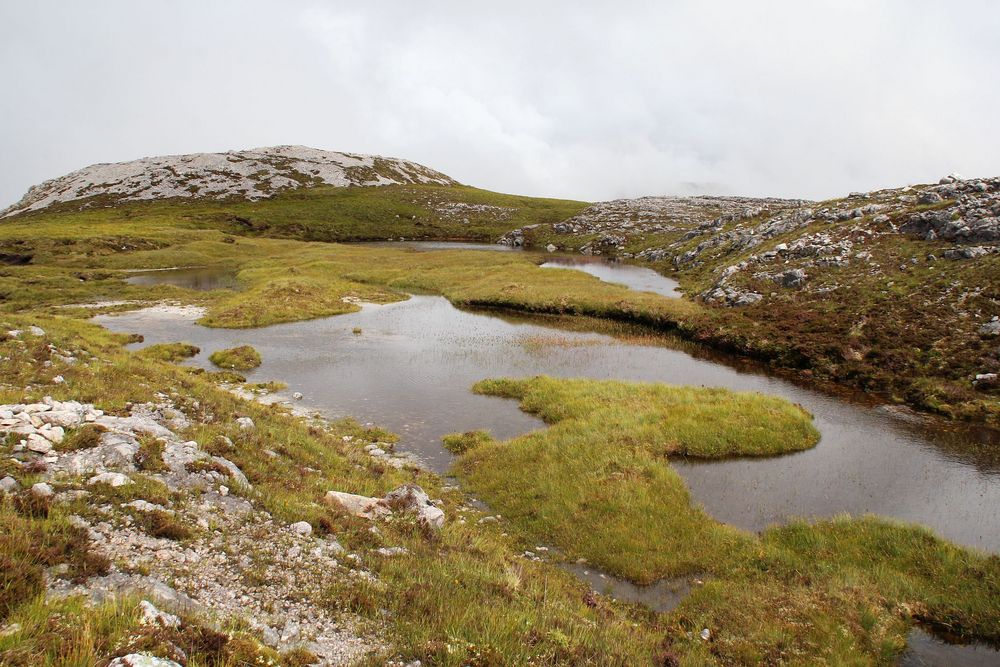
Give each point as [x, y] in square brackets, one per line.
[459, 443]
[72, 632]
[149, 456]
[82, 437]
[172, 352]
[159, 523]
[242, 358]
[31, 541]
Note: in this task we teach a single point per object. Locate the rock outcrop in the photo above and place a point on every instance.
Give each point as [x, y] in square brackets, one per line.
[252, 174]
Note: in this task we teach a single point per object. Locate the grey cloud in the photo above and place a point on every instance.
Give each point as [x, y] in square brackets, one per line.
[577, 99]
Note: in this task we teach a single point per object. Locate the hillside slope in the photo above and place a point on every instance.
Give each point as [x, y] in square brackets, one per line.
[895, 291]
[252, 174]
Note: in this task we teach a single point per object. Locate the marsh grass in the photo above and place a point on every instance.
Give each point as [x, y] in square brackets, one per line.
[597, 483]
[459, 443]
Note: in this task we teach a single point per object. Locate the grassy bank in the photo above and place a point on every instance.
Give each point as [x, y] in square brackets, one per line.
[597, 484]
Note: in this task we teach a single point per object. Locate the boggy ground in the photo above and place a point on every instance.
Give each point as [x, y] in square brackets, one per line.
[832, 293]
[812, 589]
[422, 597]
[598, 485]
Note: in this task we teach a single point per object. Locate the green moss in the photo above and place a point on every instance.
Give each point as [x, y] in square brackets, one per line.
[240, 358]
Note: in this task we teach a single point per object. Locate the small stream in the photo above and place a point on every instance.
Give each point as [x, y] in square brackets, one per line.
[411, 368]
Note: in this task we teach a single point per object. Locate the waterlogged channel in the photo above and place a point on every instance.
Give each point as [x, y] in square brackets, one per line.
[411, 367]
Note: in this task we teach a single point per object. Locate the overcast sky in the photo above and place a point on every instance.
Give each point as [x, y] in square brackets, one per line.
[590, 100]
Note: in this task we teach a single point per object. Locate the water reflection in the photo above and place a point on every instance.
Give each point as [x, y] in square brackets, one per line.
[411, 368]
[203, 279]
[638, 278]
[925, 650]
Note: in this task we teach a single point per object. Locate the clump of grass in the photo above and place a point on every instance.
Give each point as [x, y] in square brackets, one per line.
[224, 377]
[298, 657]
[83, 437]
[164, 525]
[171, 352]
[459, 443]
[268, 387]
[220, 445]
[242, 358]
[206, 465]
[72, 631]
[149, 456]
[32, 506]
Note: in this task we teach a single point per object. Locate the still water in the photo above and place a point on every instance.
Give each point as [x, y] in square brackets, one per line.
[413, 364]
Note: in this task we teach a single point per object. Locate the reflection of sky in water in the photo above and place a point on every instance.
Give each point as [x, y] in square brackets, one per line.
[412, 367]
[636, 277]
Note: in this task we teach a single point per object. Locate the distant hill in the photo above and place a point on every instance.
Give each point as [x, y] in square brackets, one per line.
[252, 174]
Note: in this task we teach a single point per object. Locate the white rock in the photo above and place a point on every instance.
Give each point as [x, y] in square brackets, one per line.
[42, 490]
[297, 396]
[37, 443]
[362, 506]
[389, 552]
[222, 175]
[36, 331]
[706, 634]
[110, 478]
[234, 471]
[245, 423]
[64, 418]
[141, 660]
[146, 506]
[53, 434]
[411, 497]
[9, 485]
[153, 616]
[302, 527]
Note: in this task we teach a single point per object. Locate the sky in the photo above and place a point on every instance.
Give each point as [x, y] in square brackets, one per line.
[578, 99]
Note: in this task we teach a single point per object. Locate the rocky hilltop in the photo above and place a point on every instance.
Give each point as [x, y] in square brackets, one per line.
[883, 290]
[251, 174]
